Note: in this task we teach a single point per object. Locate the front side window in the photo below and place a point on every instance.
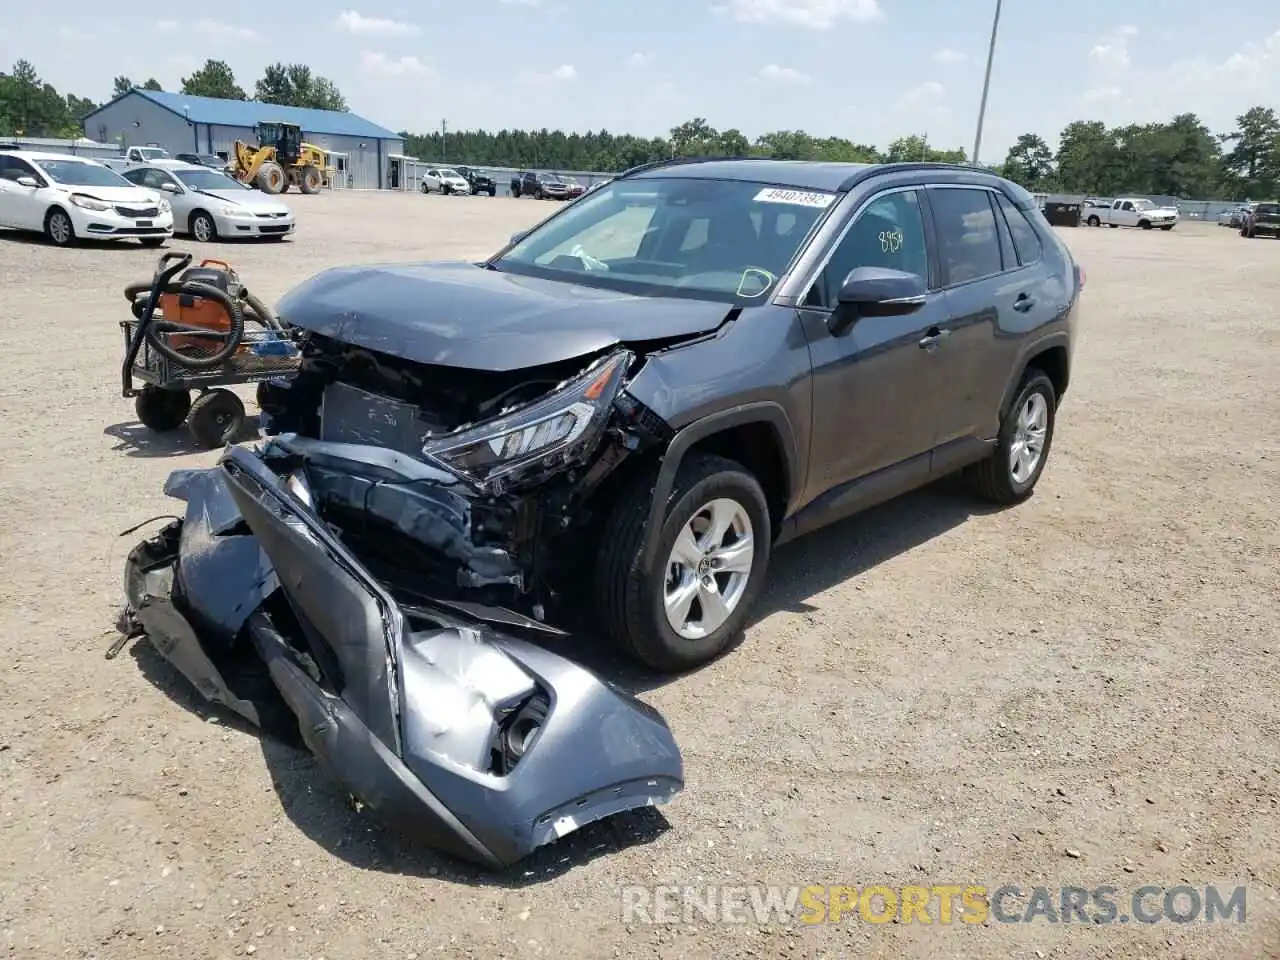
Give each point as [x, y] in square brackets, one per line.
[12, 168]
[674, 236]
[969, 244]
[888, 233]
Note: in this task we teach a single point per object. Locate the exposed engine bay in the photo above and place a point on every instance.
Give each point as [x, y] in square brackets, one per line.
[453, 480]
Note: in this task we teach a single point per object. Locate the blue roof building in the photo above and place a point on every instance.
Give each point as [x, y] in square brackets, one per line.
[362, 150]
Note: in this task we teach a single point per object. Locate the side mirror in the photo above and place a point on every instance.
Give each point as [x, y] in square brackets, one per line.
[170, 188]
[877, 292]
[27, 182]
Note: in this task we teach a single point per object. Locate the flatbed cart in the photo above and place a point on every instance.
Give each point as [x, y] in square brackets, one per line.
[201, 331]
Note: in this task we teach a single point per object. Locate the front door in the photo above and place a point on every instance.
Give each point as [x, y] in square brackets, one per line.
[874, 389]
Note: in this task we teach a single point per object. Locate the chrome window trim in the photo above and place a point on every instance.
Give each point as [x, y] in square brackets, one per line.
[793, 291]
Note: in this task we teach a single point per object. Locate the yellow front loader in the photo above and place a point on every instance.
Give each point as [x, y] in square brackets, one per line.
[280, 160]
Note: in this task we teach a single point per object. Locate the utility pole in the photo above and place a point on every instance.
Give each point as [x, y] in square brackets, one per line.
[924, 146]
[444, 147]
[986, 85]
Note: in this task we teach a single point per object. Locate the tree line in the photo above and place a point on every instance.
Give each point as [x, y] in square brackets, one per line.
[1180, 158]
[33, 108]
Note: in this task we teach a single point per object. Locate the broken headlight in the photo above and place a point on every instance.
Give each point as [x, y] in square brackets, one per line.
[551, 431]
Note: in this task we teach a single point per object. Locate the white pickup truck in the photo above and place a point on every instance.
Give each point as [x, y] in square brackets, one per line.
[135, 155]
[1131, 212]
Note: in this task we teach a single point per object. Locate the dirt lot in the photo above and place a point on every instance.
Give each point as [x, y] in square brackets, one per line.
[930, 694]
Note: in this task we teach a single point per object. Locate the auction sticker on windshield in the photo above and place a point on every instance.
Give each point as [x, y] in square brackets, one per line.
[798, 198]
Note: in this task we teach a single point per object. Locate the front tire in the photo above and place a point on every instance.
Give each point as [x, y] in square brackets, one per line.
[713, 551]
[203, 229]
[215, 418]
[59, 228]
[1010, 474]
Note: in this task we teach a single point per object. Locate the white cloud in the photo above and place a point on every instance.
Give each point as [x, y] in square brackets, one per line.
[209, 30]
[928, 92]
[354, 22]
[949, 57]
[638, 59]
[784, 74]
[560, 74]
[379, 64]
[813, 14]
[1123, 91]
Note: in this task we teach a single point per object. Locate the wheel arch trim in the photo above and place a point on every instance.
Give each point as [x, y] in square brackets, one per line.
[764, 411]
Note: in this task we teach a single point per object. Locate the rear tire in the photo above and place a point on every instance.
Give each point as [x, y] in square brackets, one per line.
[633, 600]
[162, 410]
[59, 228]
[215, 419]
[1094, 222]
[997, 478]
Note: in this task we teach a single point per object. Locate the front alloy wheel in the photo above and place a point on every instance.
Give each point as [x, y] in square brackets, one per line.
[712, 553]
[708, 569]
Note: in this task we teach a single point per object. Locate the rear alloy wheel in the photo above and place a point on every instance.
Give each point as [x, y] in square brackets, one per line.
[59, 228]
[1009, 475]
[713, 550]
[203, 228]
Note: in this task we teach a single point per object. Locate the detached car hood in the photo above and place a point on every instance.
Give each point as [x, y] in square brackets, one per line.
[461, 315]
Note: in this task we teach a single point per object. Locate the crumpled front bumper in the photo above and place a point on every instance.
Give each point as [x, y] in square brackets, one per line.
[410, 707]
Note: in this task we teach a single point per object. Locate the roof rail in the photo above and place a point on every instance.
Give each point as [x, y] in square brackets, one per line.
[676, 161]
[909, 165]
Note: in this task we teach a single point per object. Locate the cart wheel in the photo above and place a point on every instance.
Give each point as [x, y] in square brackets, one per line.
[215, 418]
[162, 410]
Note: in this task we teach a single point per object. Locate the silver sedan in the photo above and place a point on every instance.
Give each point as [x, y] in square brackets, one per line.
[209, 205]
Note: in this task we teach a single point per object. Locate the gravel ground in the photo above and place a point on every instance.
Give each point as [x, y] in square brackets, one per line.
[931, 693]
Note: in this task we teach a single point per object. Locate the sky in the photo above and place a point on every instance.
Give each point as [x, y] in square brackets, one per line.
[868, 70]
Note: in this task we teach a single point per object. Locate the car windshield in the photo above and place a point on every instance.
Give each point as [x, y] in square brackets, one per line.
[1143, 205]
[724, 240]
[446, 172]
[153, 153]
[1267, 208]
[208, 180]
[77, 173]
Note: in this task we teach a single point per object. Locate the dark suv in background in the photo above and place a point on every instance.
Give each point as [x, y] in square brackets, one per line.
[1261, 220]
[481, 181]
[541, 186]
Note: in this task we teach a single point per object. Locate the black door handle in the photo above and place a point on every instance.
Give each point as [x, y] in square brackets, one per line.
[932, 337]
[1023, 303]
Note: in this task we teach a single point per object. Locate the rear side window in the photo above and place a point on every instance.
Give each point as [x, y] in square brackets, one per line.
[969, 244]
[1025, 239]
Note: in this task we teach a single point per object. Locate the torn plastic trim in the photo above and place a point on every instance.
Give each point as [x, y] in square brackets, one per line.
[597, 752]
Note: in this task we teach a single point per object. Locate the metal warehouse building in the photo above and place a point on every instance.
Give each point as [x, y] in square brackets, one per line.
[183, 124]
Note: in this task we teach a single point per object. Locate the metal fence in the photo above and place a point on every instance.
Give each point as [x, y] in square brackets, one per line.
[81, 148]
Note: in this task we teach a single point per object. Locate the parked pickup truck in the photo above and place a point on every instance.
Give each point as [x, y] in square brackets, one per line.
[135, 155]
[1131, 212]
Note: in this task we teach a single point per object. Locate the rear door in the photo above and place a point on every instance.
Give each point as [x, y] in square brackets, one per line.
[999, 285]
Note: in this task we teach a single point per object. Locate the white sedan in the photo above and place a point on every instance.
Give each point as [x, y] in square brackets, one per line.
[68, 197]
[209, 205]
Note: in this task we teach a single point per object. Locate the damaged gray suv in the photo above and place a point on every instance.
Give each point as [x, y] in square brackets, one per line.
[656, 385]
[623, 410]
